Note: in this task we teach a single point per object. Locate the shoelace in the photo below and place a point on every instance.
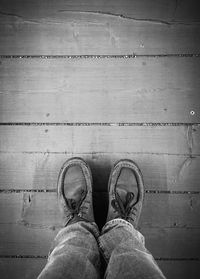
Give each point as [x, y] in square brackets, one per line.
[124, 209]
[74, 206]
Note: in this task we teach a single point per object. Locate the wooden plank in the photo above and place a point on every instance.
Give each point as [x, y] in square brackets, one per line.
[30, 268]
[173, 210]
[41, 210]
[107, 90]
[69, 32]
[163, 10]
[163, 243]
[172, 243]
[103, 139]
[18, 239]
[21, 268]
[40, 171]
[180, 269]
[141, 9]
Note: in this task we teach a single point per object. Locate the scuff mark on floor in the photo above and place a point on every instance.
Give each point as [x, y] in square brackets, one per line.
[26, 204]
[186, 163]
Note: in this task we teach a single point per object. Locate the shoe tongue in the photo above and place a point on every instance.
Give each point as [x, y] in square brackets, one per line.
[74, 183]
[74, 192]
[122, 193]
[127, 183]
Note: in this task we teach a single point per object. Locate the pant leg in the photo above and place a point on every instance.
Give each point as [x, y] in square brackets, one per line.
[124, 250]
[75, 253]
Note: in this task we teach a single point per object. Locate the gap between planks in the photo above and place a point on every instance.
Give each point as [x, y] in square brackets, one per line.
[107, 124]
[117, 56]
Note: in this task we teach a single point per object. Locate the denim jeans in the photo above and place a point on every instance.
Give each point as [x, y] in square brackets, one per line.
[77, 248]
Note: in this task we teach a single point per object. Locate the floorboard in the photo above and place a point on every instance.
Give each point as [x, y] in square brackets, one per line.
[26, 268]
[118, 35]
[180, 269]
[158, 10]
[30, 268]
[178, 140]
[108, 90]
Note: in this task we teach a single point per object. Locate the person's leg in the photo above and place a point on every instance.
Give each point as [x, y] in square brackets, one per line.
[124, 250]
[75, 251]
[121, 244]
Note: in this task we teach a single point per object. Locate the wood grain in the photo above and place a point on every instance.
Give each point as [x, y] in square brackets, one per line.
[164, 10]
[104, 139]
[144, 9]
[70, 32]
[18, 239]
[21, 268]
[107, 90]
[30, 268]
[172, 243]
[40, 171]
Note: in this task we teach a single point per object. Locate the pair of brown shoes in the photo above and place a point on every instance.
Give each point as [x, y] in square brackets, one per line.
[125, 188]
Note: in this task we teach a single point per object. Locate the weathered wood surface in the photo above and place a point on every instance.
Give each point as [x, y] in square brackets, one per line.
[178, 140]
[159, 210]
[163, 10]
[75, 33]
[172, 243]
[26, 268]
[18, 239]
[105, 90]
[180, 269]
[187, 11]
[31, 268]
[144, 9]
[39, 28]
[40, 171]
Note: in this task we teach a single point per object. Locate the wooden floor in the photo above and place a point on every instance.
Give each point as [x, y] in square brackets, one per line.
[102, 80]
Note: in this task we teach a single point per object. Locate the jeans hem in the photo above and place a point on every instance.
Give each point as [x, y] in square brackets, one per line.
[116, 221]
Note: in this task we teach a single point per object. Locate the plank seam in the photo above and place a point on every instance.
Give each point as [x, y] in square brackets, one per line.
[101, 56]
